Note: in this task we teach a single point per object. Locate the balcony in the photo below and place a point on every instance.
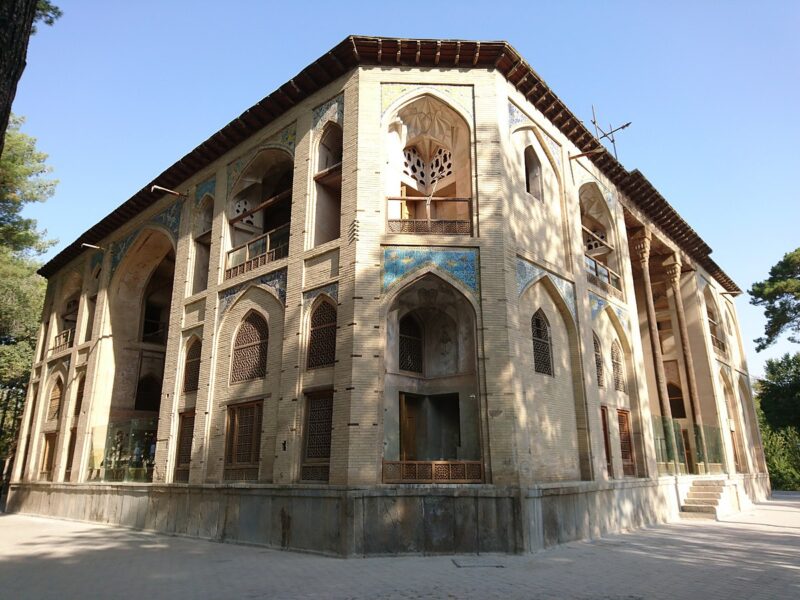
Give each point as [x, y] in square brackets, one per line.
[599, 275]
[63, 341]
[432, 471]
[720, 347]
[434, 215]
[257, 252]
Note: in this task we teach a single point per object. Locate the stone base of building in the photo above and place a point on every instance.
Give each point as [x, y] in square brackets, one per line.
[375, 521]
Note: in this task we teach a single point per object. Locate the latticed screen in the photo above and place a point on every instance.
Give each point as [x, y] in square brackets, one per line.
[606, 441]
[79, 399]
[322, 338]
[250, 349]
[54, 407]
[598, 362]
[617, 367]
[191, 371]
[185, 433]
[319, 421]
[626, 443]
[410, 345]
[243, 448]
[542, 350]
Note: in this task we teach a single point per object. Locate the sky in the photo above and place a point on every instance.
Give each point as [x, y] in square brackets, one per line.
[116, 92]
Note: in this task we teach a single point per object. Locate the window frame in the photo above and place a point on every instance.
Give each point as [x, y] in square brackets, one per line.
[542, 343]
[234, 469]
[239, 348]
[315, 359]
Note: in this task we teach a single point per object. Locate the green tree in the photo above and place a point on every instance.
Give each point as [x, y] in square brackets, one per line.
[779, 391]
[17, 24]
[780, 296]
[22, 168]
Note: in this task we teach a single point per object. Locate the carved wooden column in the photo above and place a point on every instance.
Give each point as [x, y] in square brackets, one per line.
[640, 246]
[672, 268]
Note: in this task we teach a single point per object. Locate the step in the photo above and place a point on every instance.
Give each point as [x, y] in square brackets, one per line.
[708, 483]
[699, 508]
[701, 502]
[696, 515]
[704, 495]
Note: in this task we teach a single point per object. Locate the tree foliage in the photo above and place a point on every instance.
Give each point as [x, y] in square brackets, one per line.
[780, 296]
[46, 12]
[22, 168]
[779, 391]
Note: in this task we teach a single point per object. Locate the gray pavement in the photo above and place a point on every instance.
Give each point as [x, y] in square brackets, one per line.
[754, 555]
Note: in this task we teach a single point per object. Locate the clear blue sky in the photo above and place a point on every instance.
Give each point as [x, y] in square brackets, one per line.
[116, 92]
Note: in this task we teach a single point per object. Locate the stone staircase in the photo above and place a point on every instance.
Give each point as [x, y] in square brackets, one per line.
[702, 500]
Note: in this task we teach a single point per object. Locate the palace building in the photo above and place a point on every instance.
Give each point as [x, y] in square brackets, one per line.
[405, 303]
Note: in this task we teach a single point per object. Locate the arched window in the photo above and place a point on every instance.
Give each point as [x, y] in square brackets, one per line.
[676, 405]
[533, 174]
[56, 394]
[191, 370]
[410, 345]
[79, 395]
[322, 336]
[598, 361]
[542, 346]
[250, 349]
[328, 185]
[598, 247]
[714, 323]
[202, 245]
[618, 367]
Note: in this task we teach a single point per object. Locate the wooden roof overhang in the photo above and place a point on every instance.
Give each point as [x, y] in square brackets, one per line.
[356, 51]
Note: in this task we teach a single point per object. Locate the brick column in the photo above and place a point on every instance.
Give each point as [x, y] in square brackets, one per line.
[640, 245]
[672, 268]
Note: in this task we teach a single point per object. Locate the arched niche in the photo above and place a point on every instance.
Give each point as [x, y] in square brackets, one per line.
[140, 298]
[734, 425]
[554, 406]
[259, 211]
[428, 176]
[714, 319]
[598, 235]
[201, 233]
[431, 409]
[327, 205]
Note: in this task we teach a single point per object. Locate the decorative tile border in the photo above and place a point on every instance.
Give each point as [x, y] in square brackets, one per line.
[461, 95]
[528, 273]
[275, 280]
[598, 303]
[170, 218]
[401, 261]
[332, 110]
[517, 117]
[286, 139]
[331, 290]
[209, 186]
[118, 249]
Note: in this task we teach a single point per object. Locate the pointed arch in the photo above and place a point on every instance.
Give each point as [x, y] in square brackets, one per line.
[250, 348]
[533, 174]
[599, 367]
[79, 394]
[411, 344]
[191, 364]
[599, 235]
[322, 333]
[56, 399]
[327, 202]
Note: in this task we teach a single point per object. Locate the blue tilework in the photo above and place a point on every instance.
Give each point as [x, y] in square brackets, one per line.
[97, 259]
[400, 262]
[527, 273]
[275, 280]
[118, 249]
[332, 110]
[170, 218]
[598, 303]
[207, 187]
[515, 116]
[331, 290]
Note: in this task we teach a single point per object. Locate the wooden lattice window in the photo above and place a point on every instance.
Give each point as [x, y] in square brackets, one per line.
[191, 370]
[607, 441]
[48, 459]
[184, 453]
[542, 347]
[322, 336]
[410, 345]
[618, 367]
[598, 361]
[319, 421]
[56, 394]
[250, 349]
[626, 443]
[79, 395]
[73, 435]
[243, 445]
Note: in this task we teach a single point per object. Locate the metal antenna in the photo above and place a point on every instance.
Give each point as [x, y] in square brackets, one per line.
[609, 134]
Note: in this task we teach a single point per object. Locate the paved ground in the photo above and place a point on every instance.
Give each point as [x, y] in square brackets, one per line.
[751, 555]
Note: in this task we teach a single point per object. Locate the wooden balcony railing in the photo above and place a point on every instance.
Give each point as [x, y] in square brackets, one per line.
[257, 252]
[432, 471]
[601, 276]
[719, 345]
[63, 341]
[431, 224]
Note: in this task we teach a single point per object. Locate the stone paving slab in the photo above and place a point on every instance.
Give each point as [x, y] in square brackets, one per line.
[754, 555]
